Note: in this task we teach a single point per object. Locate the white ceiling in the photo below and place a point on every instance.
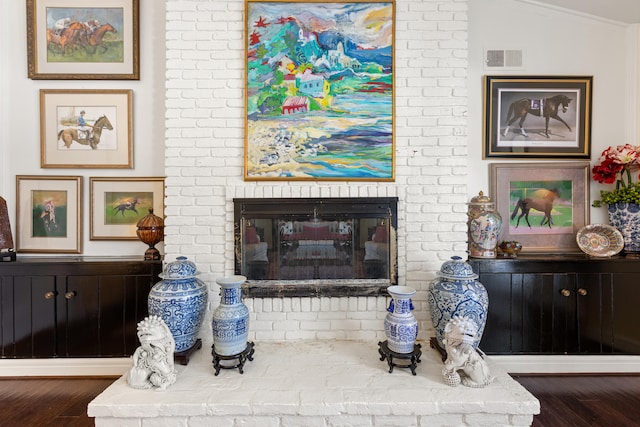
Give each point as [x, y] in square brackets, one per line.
[627, 11]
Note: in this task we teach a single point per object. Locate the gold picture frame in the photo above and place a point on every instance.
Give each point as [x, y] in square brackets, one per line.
[117, 204]
[542, 205]
[106, 141]
[72, 40]
[49, 214]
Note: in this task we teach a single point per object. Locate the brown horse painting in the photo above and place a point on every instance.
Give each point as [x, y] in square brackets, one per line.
[94, 38]
[67, 39]
[541, 201]
[546, 107]
[92, 139]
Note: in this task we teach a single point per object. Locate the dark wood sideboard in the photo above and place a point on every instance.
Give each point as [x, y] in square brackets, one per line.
[73, 306]
[563, 304]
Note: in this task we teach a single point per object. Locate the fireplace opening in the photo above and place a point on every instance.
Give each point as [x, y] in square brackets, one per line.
[316, 246]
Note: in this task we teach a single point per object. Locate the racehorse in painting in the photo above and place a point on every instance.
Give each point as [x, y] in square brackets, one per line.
[547, 108]
[541, 201]
[94, 38]
[91, 139]
[68, 38]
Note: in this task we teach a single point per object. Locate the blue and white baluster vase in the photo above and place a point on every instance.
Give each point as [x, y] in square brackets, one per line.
[230, 322]
[400, 325]
[180, 299]
[457, 292]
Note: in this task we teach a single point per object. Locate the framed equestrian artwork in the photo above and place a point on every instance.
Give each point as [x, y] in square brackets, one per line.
[117, 204]
[537, 117]
[49, 214]
[319, 90]
[543, 205]
[71, 40]
[86, 128]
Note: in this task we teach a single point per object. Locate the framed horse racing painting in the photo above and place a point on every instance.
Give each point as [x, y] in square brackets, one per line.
[537, 117]
[117, 204]
[542, 205]
[86, 128]
[49, 214]
[319, 90]
[71, 39]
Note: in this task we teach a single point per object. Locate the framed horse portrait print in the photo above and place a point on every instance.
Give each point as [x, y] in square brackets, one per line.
[49, 214]
[74, 39]
[542, 205]
[117, 204]
[86, 128]
[537, 117]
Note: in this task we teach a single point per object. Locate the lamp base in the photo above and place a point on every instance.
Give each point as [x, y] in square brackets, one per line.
[152, 254]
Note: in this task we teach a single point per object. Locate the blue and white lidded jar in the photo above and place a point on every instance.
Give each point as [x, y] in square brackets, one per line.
[230, 322]
[457, 292]
[180, 299]
[400, 325]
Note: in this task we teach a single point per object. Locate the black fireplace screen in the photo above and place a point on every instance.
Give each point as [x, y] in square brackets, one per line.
[316, 239]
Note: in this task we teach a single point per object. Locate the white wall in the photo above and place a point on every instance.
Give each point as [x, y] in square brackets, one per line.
[556, 42]
[20, 120]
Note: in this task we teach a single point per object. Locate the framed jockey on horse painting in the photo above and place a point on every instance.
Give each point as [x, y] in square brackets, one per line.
[86, 128]
[542, 205]
[74, 39]
[537, 117]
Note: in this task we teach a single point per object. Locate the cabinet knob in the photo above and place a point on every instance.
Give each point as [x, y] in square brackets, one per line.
[49, 295]
[565, 292]
[582, 291]
[70, 294]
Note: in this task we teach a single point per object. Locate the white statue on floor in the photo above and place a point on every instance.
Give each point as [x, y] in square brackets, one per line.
[153, 361]
[464, 364]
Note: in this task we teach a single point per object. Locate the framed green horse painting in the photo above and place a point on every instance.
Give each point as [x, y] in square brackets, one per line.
[319, 90]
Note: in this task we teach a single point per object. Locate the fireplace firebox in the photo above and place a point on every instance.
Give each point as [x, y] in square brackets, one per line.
[316, 246]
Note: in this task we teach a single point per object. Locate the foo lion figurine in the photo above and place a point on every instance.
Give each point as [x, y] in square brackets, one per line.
[153, 360]
[460, 333]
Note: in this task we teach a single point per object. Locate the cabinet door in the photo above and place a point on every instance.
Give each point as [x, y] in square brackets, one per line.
[79, 316]
[28, 316]
[624, 304]
[595, 313]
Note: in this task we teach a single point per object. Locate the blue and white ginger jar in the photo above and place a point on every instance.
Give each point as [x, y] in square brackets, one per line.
[180, 299]
[457, 292]
[626, 218]
[400, 325]
[230, 322]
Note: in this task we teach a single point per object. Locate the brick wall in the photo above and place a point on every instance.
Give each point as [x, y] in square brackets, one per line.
[204, 160]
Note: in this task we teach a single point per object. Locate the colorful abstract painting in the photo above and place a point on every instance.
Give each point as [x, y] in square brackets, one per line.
[319, 91]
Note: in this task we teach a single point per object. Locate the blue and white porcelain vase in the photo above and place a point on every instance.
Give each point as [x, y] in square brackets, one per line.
[230, 322]
[626, 218]
[400, 325]
[180, 299]
[457, 292]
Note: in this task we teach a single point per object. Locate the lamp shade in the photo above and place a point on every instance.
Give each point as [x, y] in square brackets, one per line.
[151, 231]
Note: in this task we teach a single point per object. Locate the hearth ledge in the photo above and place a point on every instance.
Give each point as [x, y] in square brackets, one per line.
[310, 382]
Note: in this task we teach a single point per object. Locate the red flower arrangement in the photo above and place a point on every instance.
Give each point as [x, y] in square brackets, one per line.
[616, 164]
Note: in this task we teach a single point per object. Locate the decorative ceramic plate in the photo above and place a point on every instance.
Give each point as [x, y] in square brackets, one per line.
[599, 240]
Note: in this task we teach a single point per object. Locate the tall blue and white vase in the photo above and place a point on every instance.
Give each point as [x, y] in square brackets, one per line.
[400, 325]
[626, 218]
[230, 322]
[180, 299]
[457, 292]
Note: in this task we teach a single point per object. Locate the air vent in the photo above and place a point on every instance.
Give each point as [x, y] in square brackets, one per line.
[503, 59]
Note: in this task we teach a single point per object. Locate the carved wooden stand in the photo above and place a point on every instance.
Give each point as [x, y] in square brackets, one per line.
[246, 354]
[182, 357]
[413, 357]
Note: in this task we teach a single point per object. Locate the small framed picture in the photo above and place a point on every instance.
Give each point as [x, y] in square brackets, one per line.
[49, 214]
[117, 204]
[72, 39]
[537, 117]
[86, 128]
[542, 205]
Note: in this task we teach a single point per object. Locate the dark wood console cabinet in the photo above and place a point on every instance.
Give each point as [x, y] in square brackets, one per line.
[73, 307]
[569, 304]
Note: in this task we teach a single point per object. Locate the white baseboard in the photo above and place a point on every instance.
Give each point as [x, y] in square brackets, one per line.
[512, 364]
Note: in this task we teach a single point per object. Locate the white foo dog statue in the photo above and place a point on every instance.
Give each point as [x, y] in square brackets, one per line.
[153, 361]
[463, 363]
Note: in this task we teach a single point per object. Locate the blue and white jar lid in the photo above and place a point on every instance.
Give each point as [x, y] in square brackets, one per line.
[457, 269]
[179, 269]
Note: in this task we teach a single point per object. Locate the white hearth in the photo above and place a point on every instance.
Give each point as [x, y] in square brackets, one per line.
[316, 383]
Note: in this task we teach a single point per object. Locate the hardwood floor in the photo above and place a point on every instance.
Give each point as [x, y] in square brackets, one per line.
[50, 402]
[576, 401]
